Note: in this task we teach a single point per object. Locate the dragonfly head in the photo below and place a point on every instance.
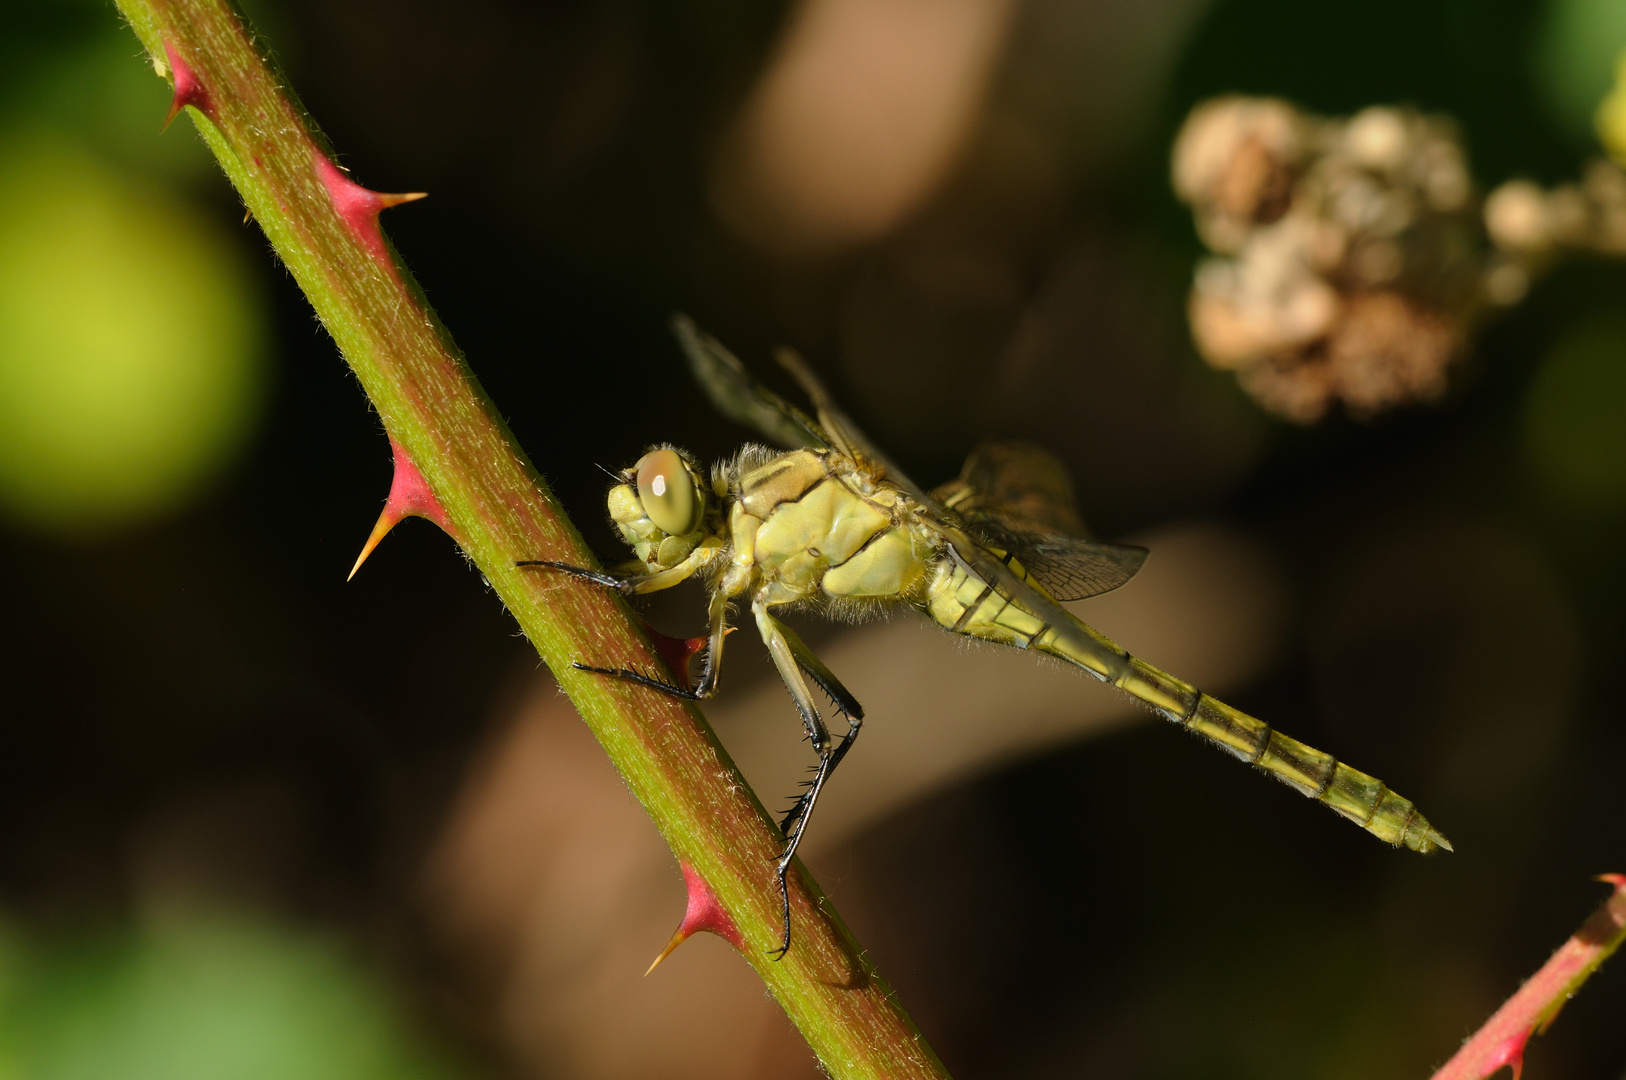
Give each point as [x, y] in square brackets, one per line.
[660, 507]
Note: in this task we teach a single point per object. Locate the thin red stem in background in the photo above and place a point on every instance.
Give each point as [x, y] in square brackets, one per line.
[1500, 1043]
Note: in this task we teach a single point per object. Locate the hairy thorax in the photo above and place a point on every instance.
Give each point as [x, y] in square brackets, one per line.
[808, 525]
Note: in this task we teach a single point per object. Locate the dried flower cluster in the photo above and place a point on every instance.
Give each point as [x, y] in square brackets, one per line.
[1351, 256]
[1348, 252]
[1531, 227]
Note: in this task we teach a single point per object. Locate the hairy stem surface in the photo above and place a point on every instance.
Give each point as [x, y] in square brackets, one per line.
[499, 510]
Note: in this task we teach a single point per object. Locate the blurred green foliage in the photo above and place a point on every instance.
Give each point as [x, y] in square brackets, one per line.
[200, 998]
[1573, 430]
[1575, 59]
[1611, 116]
[130, 342]
[131, 334]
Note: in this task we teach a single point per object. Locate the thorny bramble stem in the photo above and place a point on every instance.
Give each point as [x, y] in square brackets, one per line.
[1500, 1042]
[324, 227]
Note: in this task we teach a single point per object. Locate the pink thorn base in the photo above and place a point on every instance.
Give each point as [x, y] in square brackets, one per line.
[677, 652]
[189, 88]
[704, 914]
[409, 497]
[360, 208]
[1500, 1043]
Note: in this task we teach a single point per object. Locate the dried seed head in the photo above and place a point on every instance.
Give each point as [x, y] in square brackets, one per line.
[1351, 262]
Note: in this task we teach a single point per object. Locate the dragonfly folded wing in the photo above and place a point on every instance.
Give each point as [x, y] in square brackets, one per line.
[1017, 498]
[1069, 567]
[739, 396]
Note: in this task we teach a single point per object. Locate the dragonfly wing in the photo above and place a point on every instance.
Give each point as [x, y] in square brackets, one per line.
[1015, 482]
[1069, 567]
[845, 436]
[1019, 498]
[745, 400]
[739, 396]
[992, 569]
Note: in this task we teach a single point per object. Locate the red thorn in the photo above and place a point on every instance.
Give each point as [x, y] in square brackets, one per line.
[1510, 1054]
[189, 89]
[410, 496]
[676, 652]
[360, 208]
[704, 914]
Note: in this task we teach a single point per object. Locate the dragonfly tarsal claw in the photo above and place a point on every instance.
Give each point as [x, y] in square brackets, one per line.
[784, 907]
[638, 677]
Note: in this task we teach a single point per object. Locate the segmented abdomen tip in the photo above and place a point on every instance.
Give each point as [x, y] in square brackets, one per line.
[1424, 838]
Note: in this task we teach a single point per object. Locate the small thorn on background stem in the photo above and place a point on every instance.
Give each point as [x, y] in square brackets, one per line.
[704, 914]
[1500, 1043]
[189, 89]
[409, 497]
[360, 207]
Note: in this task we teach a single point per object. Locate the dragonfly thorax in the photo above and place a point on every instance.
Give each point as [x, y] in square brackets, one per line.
[809, 525]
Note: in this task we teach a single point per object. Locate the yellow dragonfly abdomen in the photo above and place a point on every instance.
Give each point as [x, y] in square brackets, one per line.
[962, 602]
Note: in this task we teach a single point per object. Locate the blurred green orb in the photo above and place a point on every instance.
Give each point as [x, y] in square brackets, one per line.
[1575, 416]
[130, 343]
[1575, 55]
[203, 997]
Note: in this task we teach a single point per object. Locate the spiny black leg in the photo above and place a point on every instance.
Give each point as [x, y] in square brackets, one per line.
[609, 581]
[803, 803]
[629, 675]
[793, 840]
[801, 813]
[795, 811]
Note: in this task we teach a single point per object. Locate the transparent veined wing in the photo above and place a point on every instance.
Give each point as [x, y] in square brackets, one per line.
[1015, 482]
[845, 435]
[1069, 567]
[739, 396]
[1016, 497]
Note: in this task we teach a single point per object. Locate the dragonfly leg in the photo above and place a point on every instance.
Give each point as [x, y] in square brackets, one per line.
[800, 814]
[633, 675]
[844, 701]
[846, 705]
[795, 820]
[626, 586]
[648, 583]
[711, 669]
[791, 657]
[710, 672]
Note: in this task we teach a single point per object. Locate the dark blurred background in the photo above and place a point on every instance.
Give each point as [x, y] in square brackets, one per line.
[259, 822]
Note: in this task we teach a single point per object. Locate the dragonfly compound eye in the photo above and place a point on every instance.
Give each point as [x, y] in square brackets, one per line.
[667, 491]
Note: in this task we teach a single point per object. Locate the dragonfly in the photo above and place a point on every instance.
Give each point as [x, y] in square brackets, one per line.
[826, 522]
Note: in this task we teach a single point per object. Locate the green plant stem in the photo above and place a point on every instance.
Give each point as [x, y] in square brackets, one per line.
[499, 511]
